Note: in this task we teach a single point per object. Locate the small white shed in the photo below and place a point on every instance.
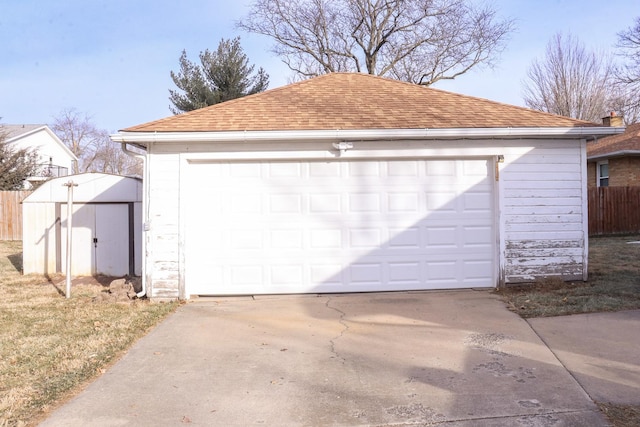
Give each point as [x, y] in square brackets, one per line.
[106, 236]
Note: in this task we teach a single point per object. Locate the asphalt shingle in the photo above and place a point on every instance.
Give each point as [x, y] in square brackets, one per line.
[355, 101]
[627, 141]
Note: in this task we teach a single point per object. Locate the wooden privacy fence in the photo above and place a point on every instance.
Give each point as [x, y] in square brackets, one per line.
[614, 210]
[11, 214]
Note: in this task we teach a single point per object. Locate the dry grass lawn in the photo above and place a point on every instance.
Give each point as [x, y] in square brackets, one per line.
[51, 346]
[614, 284]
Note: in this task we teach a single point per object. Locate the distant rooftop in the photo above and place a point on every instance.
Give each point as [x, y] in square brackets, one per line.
[12, 131]
[625, 142]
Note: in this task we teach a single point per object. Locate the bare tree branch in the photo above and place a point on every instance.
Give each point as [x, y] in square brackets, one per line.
[78, 133]
[570, 81]
[93, 147]
[413, 40]
[628, 73]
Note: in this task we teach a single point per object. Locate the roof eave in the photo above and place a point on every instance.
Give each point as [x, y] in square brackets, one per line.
[620, 153]
[45, 128]
[367, 134]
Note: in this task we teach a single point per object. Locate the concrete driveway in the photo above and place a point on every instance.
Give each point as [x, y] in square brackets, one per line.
[420, 358]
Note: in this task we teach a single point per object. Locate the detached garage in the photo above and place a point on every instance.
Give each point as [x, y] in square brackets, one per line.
[106, 233]
[355, 183]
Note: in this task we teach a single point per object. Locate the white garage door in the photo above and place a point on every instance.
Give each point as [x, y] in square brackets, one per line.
[338, 226]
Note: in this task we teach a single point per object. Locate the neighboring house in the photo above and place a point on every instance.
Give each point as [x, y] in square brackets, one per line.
[353, 183]
[614, 161]
[54, 158]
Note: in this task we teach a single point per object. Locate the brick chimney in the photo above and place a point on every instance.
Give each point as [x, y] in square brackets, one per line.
[612, 120]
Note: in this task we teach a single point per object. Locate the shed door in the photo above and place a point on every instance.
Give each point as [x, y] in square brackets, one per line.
[100, 239]
[338, 226]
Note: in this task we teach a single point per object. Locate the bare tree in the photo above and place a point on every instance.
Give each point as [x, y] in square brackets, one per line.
[570, 81]
[82, 137]
[95, 151]
[109, 158]
[420, 41]
[628, 73]
[625, 101]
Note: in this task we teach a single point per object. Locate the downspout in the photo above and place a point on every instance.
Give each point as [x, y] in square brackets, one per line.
[585, 221]
[142, 157]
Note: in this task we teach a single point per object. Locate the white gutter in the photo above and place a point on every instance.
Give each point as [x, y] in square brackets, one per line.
[143, 263]
[365, 134]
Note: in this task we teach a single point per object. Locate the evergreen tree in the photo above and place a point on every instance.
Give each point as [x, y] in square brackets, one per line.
[15, 165]
[221, 75]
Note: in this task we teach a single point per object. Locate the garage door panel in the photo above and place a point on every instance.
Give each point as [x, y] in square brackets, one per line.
[325, 274]
[405, 273]
[324, 169]
[476, 202]
[339, 226]
[404, 238]
[403, 202]
[476, 236]
[476, 271]
[285, 204]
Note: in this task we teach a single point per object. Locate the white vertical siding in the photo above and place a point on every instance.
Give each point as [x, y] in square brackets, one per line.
[543, 211]
[163, 278]
[39, 238]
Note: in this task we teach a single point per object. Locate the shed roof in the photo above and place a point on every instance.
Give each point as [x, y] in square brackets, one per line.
[91, 187]
[354, 101]
[627, 142]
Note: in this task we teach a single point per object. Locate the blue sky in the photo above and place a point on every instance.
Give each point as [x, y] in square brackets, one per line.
[111, 59]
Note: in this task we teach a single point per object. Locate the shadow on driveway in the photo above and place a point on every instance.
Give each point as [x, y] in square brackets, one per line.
[423, 358]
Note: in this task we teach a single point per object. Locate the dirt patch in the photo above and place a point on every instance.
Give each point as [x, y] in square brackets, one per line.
[107, 289]
[120, 290]
[621, 415]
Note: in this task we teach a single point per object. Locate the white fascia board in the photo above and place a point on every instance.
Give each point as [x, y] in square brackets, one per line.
[366, 134]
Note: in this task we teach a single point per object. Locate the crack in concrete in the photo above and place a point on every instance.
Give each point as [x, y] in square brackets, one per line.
[341, 320]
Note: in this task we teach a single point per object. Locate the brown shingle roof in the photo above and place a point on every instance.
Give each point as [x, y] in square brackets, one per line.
[354, 101]
[627, 141]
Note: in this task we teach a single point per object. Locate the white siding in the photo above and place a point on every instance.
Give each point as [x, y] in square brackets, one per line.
[47, 149]
[543, 210]
[163, 248]
[540, 201]
[39, 238]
